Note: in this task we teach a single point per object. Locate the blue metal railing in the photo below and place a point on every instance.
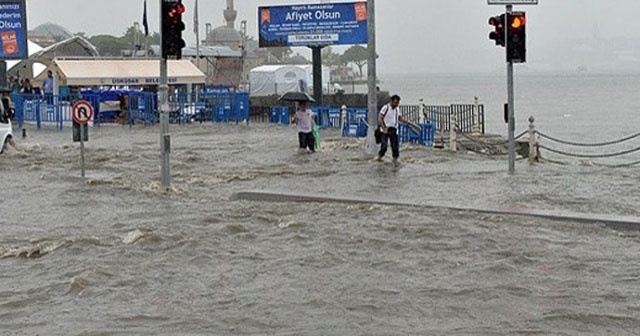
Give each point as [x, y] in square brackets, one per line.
[137, 107]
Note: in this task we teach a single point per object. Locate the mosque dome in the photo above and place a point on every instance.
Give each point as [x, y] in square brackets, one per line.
[224, 35]
[51, 30]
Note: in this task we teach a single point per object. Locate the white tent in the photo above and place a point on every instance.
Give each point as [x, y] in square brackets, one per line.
[326, 76]
[277, 79]
[122, 72]
[32, 49]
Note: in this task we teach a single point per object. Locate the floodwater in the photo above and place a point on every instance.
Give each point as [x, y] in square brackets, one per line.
[117, 254]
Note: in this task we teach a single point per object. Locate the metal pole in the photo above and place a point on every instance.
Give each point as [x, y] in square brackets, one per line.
[82, 133]
[163, 95]
[510, 93]
[3, 73]
[372, 114]
[196, 29]
[163, 101]
[317, 73]
[165, 138]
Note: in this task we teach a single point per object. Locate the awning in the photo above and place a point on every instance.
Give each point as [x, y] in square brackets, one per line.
[124, 72]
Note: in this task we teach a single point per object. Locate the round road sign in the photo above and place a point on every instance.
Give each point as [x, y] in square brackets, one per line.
[82, 111]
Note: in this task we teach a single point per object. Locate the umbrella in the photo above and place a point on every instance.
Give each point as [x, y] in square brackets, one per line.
[297, 97]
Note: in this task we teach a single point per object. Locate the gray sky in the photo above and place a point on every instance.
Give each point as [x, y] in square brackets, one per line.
[413, 35]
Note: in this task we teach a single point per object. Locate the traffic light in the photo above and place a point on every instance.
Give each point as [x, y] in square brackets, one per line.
[172, 27]
[498, 34]
[517, 38]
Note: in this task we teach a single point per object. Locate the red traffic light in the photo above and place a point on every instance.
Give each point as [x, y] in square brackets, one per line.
[176, 11]
[497, 35]
[172, 27]
[495, 21]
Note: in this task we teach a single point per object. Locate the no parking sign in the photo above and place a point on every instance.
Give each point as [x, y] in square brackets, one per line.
[82, 111]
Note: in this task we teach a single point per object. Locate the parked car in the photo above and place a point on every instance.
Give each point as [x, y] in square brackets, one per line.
[6, 132]
[6, 114]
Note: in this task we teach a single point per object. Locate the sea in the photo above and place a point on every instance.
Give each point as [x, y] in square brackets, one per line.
[116, 253]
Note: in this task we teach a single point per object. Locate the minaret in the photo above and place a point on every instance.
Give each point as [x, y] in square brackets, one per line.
[230, 14]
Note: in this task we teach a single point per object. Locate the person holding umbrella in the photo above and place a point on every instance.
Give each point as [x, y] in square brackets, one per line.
[304, 119]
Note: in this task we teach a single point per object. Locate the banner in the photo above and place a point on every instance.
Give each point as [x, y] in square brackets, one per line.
[313, 25]
[13, 29]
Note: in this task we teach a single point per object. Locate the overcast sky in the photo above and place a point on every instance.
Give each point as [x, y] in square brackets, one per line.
[413, 35]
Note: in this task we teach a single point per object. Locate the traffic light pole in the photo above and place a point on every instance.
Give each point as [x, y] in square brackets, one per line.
[511, 99]
[163, 100]
[165, 138]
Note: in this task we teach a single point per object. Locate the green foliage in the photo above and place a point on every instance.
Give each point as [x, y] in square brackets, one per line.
[329, 57]
[281, 53]
[108, 45]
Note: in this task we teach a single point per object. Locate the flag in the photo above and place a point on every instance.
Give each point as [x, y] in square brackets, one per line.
[145, 23]
[195, 18]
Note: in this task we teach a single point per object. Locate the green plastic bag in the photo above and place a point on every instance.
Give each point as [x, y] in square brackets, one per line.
[316, 136]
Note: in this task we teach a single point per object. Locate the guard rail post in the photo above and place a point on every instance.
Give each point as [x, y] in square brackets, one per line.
[343, 118]
[453, 137]
[533, 144]
[475, 129]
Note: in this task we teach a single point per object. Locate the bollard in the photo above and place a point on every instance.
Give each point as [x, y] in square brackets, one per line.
[421, 111]
[453, 136]
[24, 133]
[475, 130]
[533, 144]
[343, 117]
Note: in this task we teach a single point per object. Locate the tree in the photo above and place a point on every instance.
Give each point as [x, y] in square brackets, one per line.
[108, 45]
[331, 58]
[357, 55]
[281, 53]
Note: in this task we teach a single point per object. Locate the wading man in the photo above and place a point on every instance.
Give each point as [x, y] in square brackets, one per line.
[388, 122]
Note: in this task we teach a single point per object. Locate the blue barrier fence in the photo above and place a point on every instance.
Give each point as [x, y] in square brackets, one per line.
[138, 107]
[279, 115]
[355, 123]
[51, 109]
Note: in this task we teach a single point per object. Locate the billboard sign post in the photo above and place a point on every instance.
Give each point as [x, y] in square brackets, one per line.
[13, 29]
[313, 24]
[512, 2]
[13, 33]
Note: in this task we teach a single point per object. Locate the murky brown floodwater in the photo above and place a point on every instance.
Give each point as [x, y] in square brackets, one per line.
[117, 255]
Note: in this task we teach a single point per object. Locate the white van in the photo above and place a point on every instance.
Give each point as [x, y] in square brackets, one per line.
[6, 133]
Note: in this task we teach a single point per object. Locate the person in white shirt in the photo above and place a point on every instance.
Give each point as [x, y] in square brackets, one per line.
[304, 119]
[388, 123]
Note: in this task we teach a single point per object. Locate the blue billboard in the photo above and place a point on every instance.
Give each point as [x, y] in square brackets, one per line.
[313, 24]
[13, 29]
